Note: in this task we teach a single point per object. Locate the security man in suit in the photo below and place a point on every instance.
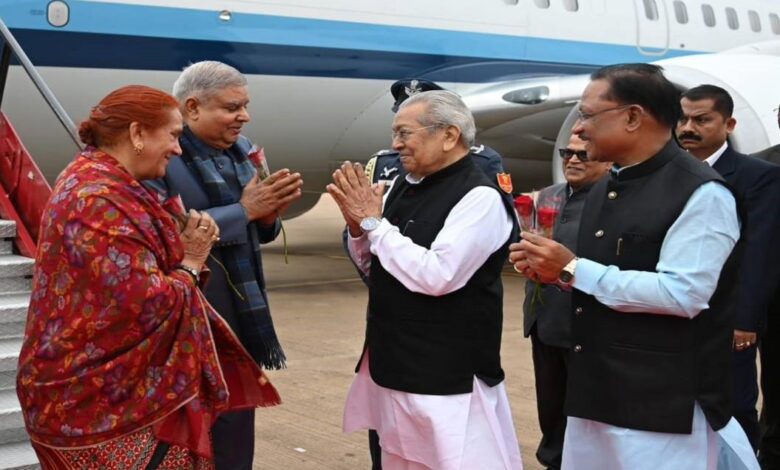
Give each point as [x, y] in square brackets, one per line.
[703, 130]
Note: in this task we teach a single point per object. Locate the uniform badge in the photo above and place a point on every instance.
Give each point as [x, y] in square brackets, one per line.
[504, 182]
[478, 149]
[413, 88]
[387, 171]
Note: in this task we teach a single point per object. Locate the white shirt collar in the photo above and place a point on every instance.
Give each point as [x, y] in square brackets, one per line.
[715, 156]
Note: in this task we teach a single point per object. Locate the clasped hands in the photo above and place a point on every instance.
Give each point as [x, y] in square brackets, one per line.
[264, 200]
[355, 196]
[538, 258]
[199, 234]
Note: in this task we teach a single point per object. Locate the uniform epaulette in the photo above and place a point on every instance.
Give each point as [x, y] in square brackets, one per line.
[370, 167]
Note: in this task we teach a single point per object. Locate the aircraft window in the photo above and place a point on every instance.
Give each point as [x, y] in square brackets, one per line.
[571, 5]
[651, 10]
[755, 21]
[731, 18]
[709, 15]
[542, 3]
[681, 12]
[774, 21]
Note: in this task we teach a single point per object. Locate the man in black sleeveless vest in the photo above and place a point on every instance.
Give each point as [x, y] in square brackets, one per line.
[430, 380]
[649, 382]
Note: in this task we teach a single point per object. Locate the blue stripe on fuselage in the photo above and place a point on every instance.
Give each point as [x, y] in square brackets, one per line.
[108, 35]
[144, 53]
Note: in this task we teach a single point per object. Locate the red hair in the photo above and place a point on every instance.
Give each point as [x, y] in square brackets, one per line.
[111, 118]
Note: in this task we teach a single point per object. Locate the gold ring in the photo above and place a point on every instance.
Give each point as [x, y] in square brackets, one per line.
[203, 227]
[516, 270]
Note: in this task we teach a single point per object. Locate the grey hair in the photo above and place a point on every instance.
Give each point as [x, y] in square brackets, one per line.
[203, 79]
[445, 108]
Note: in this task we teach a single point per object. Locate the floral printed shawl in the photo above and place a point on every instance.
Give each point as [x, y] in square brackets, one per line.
[117, 339]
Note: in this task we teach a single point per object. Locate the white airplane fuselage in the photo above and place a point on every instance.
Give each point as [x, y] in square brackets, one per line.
[319, 71]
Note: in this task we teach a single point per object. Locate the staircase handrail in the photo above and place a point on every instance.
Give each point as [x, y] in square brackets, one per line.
[51, 100]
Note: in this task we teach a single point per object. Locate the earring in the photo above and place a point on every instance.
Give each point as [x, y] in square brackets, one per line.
[138, 149]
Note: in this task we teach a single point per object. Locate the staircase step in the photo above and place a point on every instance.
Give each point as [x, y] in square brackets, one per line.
[13, 315]
[7, 228]
[7, 380]
[6, 246]
[15, 285]
[11, 419]
[9, 353]
[15, 266]
[18, 456]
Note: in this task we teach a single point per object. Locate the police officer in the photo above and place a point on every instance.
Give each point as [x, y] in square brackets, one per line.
[385, 166]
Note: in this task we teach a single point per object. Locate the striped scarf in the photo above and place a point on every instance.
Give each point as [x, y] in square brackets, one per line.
[255, 323]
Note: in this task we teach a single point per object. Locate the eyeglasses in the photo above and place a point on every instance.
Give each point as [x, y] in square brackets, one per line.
[404, 134]
[583, 116]
[566, 154]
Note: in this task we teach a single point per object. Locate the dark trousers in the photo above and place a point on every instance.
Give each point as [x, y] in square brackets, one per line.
[375, 450]
[233, 436]
[745, 378]
[551, 366]
[769, 449]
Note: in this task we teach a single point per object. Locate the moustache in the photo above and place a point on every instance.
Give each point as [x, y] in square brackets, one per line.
[688, 135]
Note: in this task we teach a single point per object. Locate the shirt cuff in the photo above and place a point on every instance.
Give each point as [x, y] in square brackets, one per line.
[587, 275]
[375, 236]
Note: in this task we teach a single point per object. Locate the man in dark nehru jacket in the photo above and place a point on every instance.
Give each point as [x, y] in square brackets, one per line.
[651, 279]
[547, 319]
[769, 349]
[430, 380]
[703, 131]
[385, 166]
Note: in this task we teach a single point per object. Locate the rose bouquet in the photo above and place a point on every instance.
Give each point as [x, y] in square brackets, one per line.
[257, 157]
[538, 215]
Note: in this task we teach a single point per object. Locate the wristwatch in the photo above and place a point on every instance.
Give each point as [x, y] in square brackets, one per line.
[370, 223]
[566, 276]
[191, 271]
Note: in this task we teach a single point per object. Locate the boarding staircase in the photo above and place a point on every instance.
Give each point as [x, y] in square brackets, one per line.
[15, 283]
[23, 195]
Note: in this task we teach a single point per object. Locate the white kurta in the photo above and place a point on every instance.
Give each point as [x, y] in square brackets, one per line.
[443, 432]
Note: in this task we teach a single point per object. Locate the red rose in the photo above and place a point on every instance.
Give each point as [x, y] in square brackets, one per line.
[546, 217]
[524, 205]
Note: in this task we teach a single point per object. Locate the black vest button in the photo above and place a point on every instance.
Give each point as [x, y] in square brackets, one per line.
[577, 348]
[578, 311]
[599, 233]
[612, 195]
[563, 220]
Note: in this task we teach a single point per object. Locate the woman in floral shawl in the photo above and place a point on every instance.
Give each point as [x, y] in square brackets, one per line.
[124, 363]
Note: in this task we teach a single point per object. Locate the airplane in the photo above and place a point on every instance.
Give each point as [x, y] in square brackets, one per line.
[319, 71]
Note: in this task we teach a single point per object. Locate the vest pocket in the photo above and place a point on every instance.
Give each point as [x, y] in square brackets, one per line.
[637, 251]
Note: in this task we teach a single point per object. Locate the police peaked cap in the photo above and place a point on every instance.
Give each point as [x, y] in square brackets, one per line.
[403, 89]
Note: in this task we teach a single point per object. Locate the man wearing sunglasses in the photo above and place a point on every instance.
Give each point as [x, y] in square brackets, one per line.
[547, 320]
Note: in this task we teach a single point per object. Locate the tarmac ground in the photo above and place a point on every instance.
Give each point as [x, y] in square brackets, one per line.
[318, 304]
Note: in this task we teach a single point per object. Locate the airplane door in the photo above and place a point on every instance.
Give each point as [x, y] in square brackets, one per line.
[652, 27]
